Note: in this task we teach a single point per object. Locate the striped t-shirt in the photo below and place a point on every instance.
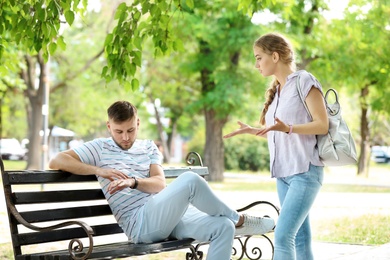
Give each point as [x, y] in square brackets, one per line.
[105, 153]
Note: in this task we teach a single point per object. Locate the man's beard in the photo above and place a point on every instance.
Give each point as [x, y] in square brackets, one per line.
[123, 148]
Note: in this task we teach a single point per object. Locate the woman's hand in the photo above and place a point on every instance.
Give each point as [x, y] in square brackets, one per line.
[278, 126]
[244, 129]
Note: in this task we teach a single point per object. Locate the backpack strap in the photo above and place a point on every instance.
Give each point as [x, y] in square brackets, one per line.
[301, 94]
[330, 110]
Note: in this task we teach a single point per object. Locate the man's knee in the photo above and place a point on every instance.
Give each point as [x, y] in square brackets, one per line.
[190, 177]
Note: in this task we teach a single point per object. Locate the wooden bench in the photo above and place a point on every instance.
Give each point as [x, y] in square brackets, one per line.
[55, 209]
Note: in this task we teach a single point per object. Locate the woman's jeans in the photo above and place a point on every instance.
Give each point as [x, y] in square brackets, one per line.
[188, 208]
[292, 233]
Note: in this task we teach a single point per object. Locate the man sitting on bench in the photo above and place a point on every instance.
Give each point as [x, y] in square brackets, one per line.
[132, 179]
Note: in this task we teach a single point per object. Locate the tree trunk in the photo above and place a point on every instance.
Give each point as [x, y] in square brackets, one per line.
[34, 111]
[1, 112]
[364, 157]
[214, 147]
[160, 128]
[172, 135]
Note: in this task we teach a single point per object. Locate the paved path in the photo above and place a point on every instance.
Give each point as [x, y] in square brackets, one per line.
[328, 205]
[334, 205]
[333, 251]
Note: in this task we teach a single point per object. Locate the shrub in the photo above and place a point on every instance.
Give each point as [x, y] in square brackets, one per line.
[248, 154]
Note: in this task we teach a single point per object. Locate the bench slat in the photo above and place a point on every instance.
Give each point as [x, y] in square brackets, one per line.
[120, 250]
[67, 234]
[57, 196]
[66, 213]
[55, 176]
[174, 172]
[46, 177]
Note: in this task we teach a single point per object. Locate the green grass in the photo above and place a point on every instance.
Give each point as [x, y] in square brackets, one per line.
[6, 251]
[270, 186]
[354, 188]
[14, 165]
[237, 185]
[367, 229]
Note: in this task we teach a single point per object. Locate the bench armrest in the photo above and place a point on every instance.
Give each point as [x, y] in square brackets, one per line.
[71, 248]
[192, 157]
[259, 203]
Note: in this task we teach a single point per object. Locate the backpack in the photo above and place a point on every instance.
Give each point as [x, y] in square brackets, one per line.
[337, 147]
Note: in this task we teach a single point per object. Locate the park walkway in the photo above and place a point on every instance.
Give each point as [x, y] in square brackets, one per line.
[328, 205]
[332, 205]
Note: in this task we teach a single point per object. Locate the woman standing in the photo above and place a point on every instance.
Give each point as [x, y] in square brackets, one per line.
[291, 134]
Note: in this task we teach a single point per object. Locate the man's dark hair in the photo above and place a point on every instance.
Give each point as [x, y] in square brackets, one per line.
[121, 111]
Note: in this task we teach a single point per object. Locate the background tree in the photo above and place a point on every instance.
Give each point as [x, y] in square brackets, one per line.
[355, 62]
[214, 42]
[34, 71]
[34, 27]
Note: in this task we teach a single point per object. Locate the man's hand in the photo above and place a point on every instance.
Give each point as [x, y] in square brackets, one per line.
[111, 174]
[120, 184]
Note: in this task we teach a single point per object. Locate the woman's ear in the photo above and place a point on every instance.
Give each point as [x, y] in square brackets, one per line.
[275, 57]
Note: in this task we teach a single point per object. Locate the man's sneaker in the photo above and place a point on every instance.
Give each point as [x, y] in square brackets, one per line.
[255, 225]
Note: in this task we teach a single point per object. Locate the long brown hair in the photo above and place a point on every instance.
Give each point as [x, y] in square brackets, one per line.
[270, 43]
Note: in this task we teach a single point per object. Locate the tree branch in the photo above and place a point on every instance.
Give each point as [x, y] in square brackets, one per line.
[76, 74]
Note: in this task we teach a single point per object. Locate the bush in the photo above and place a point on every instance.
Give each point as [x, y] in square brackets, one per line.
[248, 154]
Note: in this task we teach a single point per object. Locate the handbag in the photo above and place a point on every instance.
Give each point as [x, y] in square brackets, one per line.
[337, 147]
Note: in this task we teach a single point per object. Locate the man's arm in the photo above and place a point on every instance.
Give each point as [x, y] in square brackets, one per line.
[153, 184]
[69, 161]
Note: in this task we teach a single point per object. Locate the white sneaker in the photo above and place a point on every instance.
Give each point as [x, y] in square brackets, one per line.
[255, 226]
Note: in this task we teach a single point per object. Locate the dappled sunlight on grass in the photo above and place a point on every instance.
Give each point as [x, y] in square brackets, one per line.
[368, 229]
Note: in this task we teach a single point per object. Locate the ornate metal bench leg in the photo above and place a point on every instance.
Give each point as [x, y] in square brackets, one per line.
[194, 254]
[251, 252]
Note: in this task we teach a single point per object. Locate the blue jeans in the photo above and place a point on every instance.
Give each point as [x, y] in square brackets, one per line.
[292, 233]
[188, 208]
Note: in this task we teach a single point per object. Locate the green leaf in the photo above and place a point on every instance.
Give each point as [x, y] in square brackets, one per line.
[120, 10]
[137, 41]
[61, 43]
[133, 69]
[37, 45]
[45, 56]
[104, 71]
[190, 4]
[137, 58]
[69, 17]
[145, 7]
[135, 84]
[109, 38]
[52, 48]
[136, 15]
[178, 45]
[3, 70]
[127, 86]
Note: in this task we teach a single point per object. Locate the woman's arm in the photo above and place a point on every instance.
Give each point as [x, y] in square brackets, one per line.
[319, 125]
[245, 129]
[316, 105]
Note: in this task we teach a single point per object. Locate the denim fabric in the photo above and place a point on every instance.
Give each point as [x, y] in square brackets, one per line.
[296, 194]
[188, 208]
